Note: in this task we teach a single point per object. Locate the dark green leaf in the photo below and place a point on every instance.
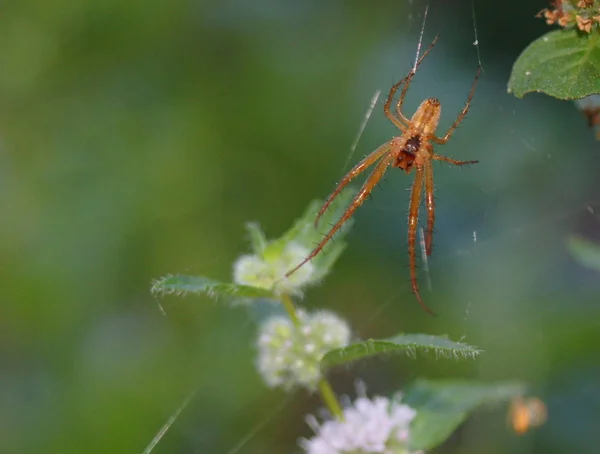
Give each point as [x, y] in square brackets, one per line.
[564, 64]
[402, 343]
[443, 405]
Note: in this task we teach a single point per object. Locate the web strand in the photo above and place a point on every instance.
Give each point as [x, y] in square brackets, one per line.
[414, 69]
[163, 430]
[476, 42]
[361, 129]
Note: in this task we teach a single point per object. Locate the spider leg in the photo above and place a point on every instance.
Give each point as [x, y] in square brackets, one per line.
[439, 157]
[429, 190]
[413, 219]
[365, 190]
[401, 121]
[443, 140]
[356, 170]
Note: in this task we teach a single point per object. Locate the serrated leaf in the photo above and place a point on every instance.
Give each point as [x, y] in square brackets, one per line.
[402, 343]
[443, 405]
[585, 252]
[181, 285]
[563, 64]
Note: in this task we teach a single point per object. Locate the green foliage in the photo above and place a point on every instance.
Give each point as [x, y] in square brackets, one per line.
[585, 252]
[306, 233]
[442, 405]
[262, 275]
[562, 63]
[258, 240]
[402, 343]
[182, 285]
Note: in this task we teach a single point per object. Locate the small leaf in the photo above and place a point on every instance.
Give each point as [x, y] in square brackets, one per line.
[563, 64]
[257, 238]
[328, 258]
[333, 214]
[182, 285]
[402, 343]
[296, 233]
[443, 405]
[305, 233]
[585, 252]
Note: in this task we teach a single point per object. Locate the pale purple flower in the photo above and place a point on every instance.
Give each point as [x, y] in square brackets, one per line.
[377, 425]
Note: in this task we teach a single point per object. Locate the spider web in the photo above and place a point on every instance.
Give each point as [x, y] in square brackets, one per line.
[512, 216]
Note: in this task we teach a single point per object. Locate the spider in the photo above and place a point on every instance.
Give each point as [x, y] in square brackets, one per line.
[411, 150]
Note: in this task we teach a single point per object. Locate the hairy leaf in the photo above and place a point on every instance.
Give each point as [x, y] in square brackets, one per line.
[402, 343]
[563, 64]
[181, 285]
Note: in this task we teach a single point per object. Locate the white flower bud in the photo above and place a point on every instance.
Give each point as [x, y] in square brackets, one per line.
[299, 348]
[269, 272]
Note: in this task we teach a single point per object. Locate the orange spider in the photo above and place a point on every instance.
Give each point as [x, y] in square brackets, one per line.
[413, 149]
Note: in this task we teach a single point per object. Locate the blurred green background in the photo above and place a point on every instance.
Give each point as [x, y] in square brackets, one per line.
[137, 138]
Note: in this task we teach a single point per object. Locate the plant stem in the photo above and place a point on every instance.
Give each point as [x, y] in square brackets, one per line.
[327, 393]
[330, 399]
[288, 304]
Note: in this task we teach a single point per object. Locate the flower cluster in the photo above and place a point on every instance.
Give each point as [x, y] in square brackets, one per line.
[289, 354]
[268, 270]
[583, 14]
[377, 425]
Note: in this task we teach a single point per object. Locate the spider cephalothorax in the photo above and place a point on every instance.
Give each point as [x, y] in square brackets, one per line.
[412, 149]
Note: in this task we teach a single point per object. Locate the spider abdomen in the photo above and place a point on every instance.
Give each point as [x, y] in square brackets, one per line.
[425, 120]
[413, 144]
[406, 155]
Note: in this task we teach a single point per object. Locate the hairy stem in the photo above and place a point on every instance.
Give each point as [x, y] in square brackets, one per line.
[330, 399]
[327, 394]
[288, 305]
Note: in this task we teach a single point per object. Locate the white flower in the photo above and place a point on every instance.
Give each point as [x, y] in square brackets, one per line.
[377, 425]
[289, 355]
[269, 271]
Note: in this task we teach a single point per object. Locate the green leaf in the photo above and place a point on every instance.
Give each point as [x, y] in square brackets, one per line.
[402, 343]
[442, 405]
[327, 260]
[332, 215]
[305, 232]
[296, 233]
[257, 238]
[563, 64]
[182, 285]
[585, 252]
